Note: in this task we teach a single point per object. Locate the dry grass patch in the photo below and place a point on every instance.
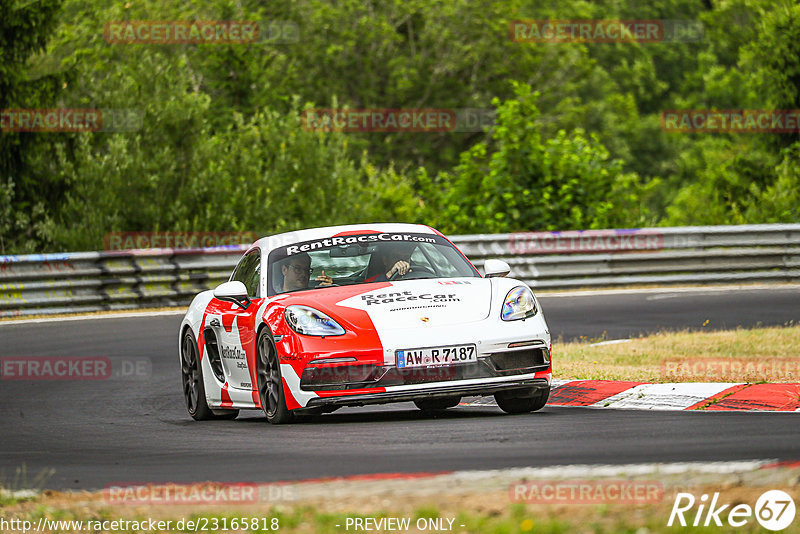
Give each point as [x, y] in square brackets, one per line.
[776, 350]
[472, 510]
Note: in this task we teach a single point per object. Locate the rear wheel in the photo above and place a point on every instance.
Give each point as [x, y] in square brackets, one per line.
[437, 404]
[194, 391]
[514, 402]
[270, 383]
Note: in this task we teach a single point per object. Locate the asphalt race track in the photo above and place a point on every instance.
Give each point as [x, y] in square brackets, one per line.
[94, 433]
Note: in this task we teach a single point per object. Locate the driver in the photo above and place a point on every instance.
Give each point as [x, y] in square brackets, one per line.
[395, 259]
[297, 271]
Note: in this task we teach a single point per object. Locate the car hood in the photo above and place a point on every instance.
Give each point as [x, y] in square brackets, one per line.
[398, 305]
[402, 304]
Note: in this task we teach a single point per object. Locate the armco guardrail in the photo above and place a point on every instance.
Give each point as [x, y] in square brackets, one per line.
[96, 281]
[676, 255]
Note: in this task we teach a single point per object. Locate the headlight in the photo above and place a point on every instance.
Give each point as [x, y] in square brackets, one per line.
[311, 322]
[519, 304]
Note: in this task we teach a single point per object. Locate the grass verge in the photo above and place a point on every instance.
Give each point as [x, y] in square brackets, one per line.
[476, 511]
[649, 359]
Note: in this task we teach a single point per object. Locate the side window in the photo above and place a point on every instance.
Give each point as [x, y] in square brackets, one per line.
[248, 272]
[254, 285]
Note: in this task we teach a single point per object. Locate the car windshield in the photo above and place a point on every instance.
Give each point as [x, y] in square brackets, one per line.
[363, 258]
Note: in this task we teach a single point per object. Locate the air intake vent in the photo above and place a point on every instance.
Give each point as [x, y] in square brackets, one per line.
[520, 359]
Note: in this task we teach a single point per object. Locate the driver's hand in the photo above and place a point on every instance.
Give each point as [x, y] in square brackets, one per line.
[401, 268]
[324, 279]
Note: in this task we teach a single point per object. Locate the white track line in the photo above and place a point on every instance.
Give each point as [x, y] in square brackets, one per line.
[109, 315]
[655, 290]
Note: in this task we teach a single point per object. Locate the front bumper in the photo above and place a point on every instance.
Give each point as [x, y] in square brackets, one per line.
[463, 389]
[531, 357]
[512, 355]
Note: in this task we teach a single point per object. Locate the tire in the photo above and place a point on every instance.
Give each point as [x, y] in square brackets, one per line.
[270, 383]
[510, 403]
[194, 390]
[437, 404]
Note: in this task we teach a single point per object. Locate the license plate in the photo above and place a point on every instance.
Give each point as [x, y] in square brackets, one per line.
[436, 356]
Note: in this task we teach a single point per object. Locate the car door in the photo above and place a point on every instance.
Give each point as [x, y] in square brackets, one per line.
[233, 326]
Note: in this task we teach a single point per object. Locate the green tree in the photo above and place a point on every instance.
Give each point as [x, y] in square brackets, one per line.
[746, 177]
[520, 180]
[25, 180]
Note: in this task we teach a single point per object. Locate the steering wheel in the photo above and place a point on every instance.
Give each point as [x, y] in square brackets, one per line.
[415, 269]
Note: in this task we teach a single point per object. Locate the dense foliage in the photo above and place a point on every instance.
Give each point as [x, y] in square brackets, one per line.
[577, 141]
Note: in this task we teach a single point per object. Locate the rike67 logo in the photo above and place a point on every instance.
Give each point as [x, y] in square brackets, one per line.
[774, 510]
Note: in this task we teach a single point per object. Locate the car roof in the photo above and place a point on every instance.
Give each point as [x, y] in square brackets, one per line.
[270, 242]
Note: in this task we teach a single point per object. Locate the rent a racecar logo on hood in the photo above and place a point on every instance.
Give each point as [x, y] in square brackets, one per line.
[407, 296]
[438, 301]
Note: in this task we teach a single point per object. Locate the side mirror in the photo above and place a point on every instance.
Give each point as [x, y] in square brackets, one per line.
[233, 291]
[495, 268]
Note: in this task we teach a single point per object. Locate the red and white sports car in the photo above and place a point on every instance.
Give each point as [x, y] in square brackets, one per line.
[362, 314]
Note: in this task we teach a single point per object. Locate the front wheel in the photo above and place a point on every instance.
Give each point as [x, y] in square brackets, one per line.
[511, 402]
[270, 383]
[194, 391]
